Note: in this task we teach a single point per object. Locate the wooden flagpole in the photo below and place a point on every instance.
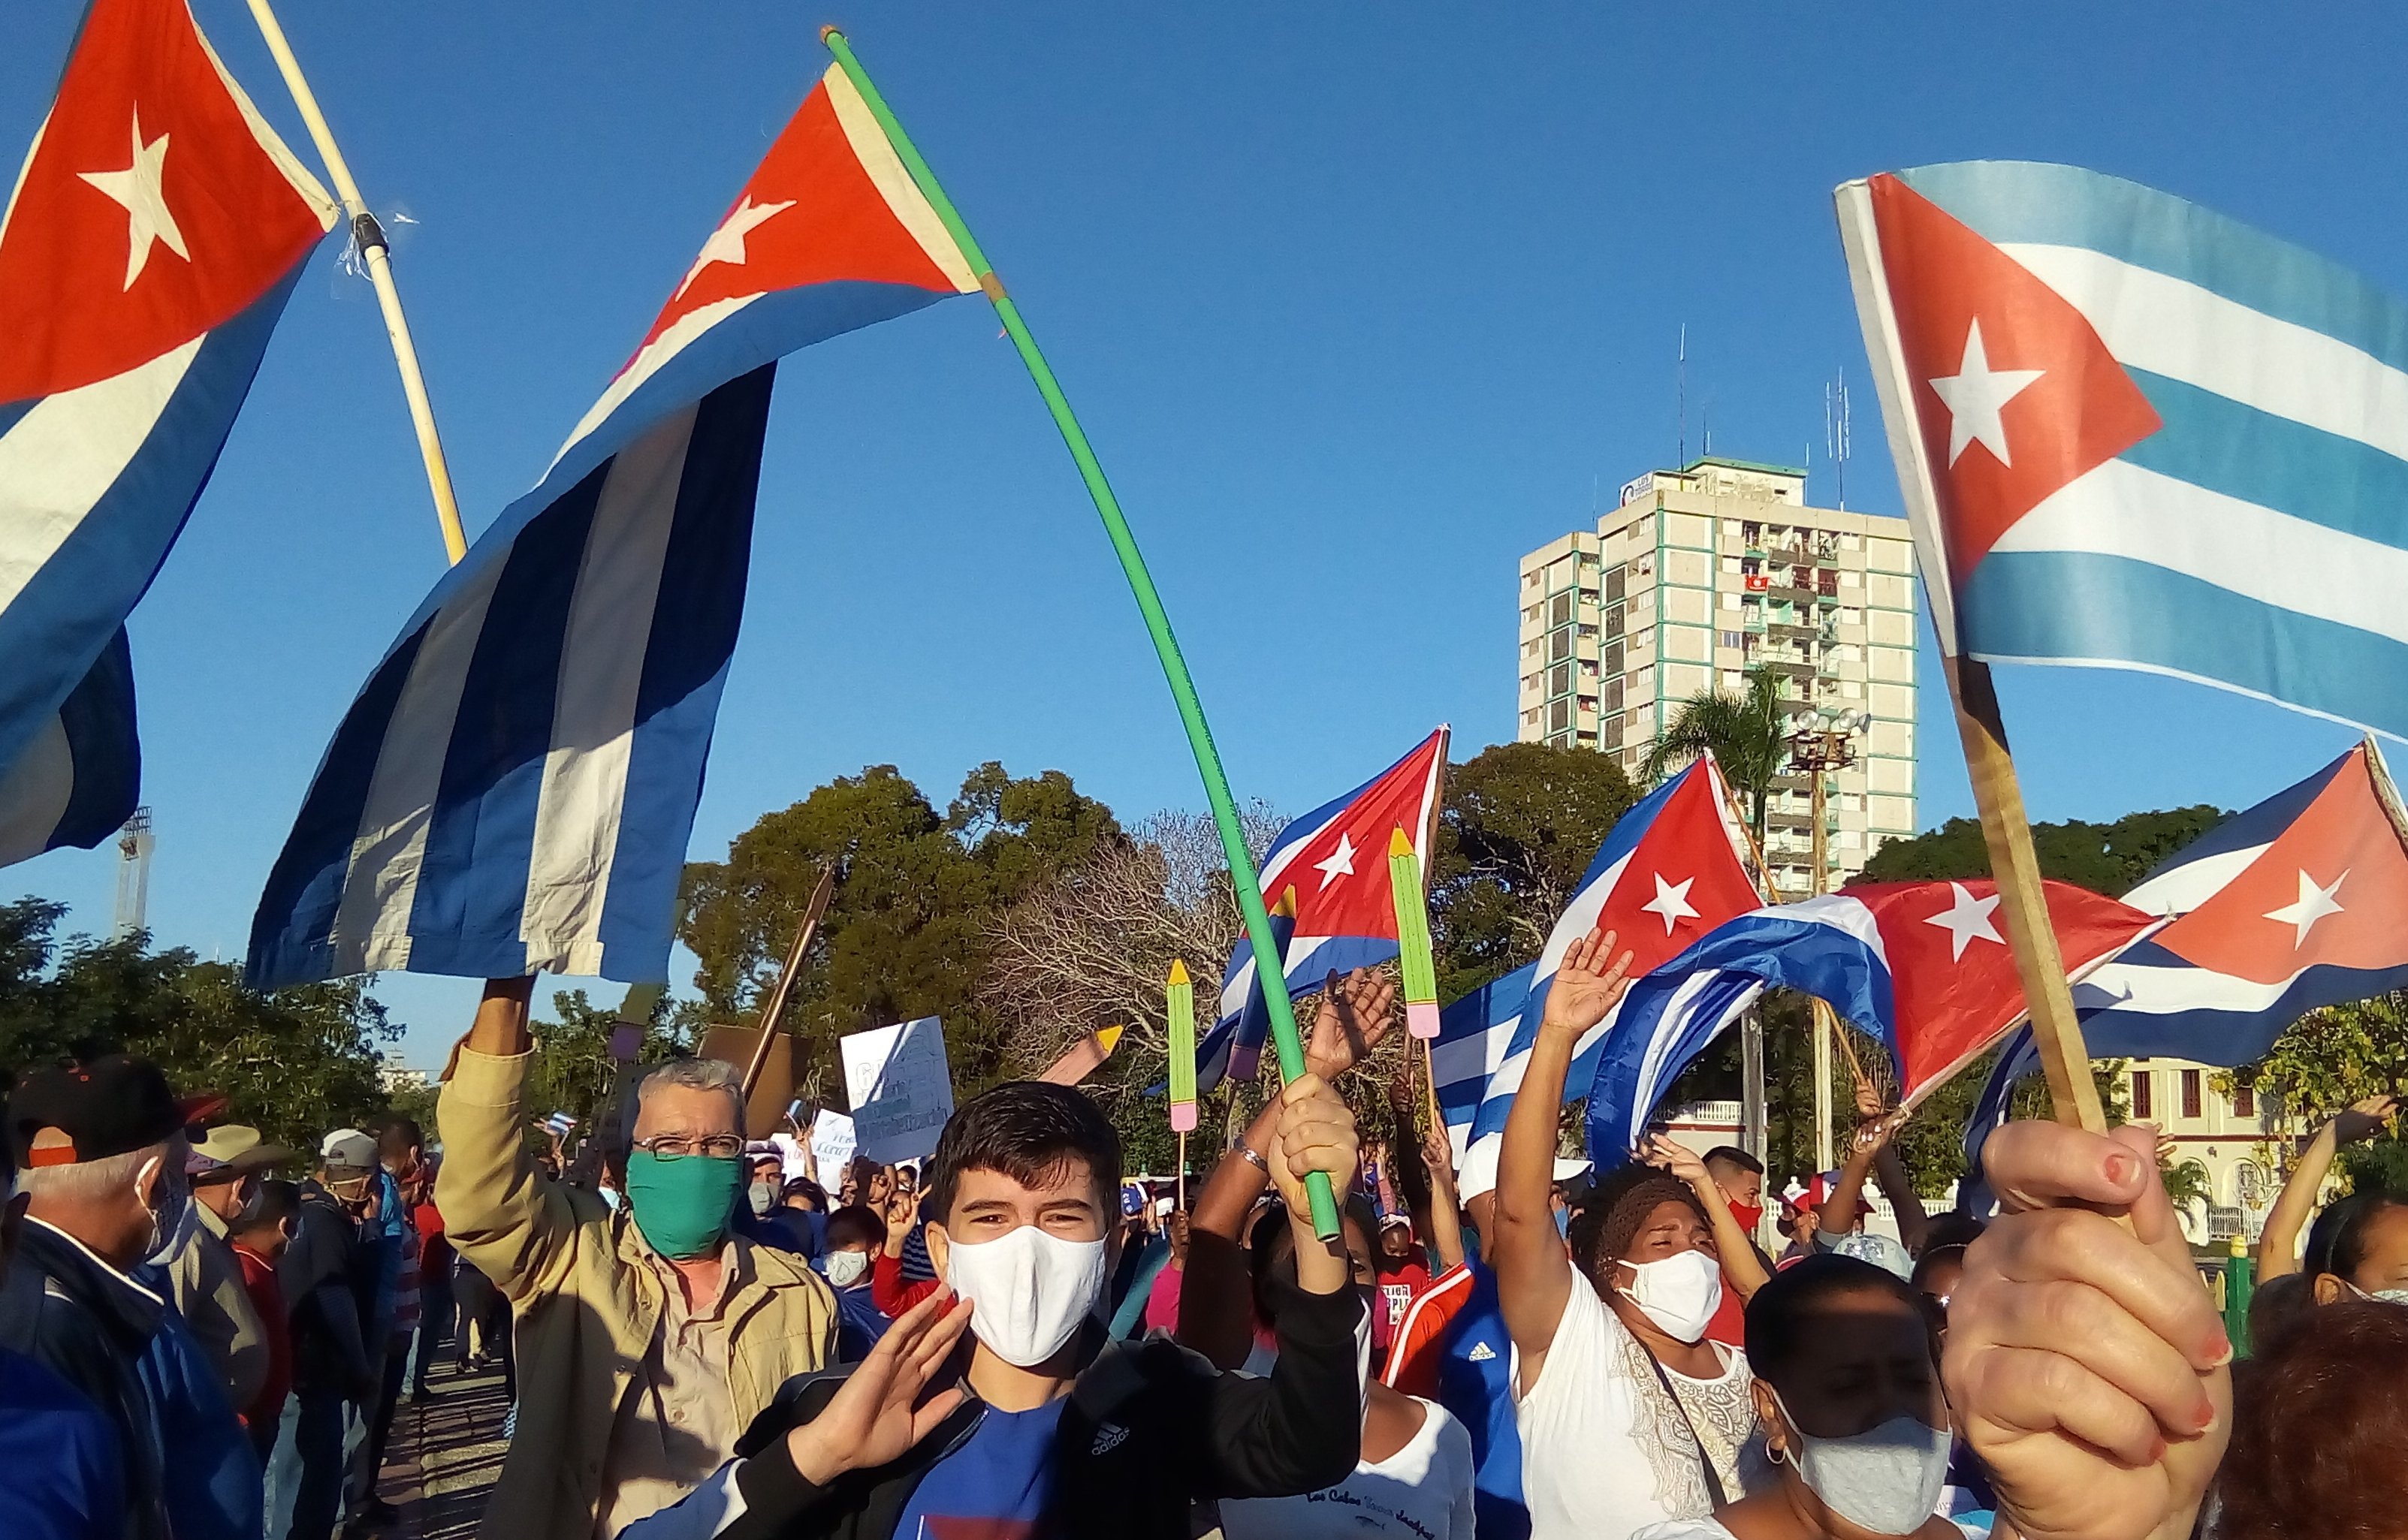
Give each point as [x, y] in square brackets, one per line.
[370, 236]
[1243, 875]
[812, 913]
[2023, 901]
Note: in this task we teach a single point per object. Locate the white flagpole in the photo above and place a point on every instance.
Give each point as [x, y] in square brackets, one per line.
[369, 235]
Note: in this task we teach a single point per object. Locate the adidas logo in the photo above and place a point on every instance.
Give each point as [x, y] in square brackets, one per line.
[1110, 1436]
[1482, 1353]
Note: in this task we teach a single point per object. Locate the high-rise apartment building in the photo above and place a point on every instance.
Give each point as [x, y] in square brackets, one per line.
[1701, 574]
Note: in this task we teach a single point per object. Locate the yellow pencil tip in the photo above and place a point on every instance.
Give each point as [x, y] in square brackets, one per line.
[1178, 973]
[1286, 908]
[1109, 1039]
[1398, 844]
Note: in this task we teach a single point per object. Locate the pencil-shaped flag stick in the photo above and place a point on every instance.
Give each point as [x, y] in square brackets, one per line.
[1412, 936]
[1180, 1002]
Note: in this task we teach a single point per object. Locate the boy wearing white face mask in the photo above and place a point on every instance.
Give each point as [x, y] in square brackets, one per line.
[853, 1236]
[1629, 1415]
[997, 1406]
[1848, 1388]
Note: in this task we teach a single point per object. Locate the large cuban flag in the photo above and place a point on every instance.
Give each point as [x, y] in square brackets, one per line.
[513, 789]
[1922, 967]
[2134, 433]
[154, 233]
[1325, 877]
[2293, 905]
[1670, 870]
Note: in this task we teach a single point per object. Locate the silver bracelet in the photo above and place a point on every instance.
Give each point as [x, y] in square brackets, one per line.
[1251, 1157]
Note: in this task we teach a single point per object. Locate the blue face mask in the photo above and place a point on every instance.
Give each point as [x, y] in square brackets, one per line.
[1564, 1223]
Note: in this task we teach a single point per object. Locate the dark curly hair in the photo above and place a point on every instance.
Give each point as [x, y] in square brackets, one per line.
[1618, 1204]
[2315, 1431]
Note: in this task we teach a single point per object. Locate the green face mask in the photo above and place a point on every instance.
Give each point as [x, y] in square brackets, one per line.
[681, 1201]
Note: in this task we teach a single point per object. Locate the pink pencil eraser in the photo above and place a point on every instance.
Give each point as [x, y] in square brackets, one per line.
[1183, 1116]
[1422, 1020]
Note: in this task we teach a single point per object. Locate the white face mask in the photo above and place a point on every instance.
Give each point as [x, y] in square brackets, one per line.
[845, 1268]
[1886, 1480]
[1029, 1291]
[2384, 1296]
[1680, 1292]
[611, 1196]
[761, 1195]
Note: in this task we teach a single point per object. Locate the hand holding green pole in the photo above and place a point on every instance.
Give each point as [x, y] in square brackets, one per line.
[1149, 603]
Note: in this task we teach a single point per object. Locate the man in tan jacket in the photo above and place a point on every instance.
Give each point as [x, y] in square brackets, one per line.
[647, 1336]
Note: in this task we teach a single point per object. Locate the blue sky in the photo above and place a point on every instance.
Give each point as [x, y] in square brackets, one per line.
[1358, 302]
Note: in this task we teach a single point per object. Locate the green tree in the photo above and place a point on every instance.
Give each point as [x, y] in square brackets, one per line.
[294, 1064]
[904, 935]
[573, 1071]
[1745, 730]
[1520, 824]
[2105, 857]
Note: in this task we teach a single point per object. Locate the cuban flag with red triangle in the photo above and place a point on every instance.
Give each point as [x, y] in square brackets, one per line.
[1325, 878]
[2289, 907]
[1921, 967]
[155, 233]
[1670, 870]
[2133, 433]
[513, 789]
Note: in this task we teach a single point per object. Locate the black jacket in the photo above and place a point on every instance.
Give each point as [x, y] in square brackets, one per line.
[89, 1324]
[1149, 1428]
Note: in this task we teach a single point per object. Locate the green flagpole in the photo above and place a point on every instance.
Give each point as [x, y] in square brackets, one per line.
[1149, 603]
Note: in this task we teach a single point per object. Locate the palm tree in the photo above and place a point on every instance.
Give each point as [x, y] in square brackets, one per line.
[1745, 730]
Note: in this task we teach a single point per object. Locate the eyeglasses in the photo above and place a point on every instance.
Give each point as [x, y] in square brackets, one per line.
[675, 1147]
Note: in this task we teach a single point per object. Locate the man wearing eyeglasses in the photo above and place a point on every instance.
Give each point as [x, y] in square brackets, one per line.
[650, 1335]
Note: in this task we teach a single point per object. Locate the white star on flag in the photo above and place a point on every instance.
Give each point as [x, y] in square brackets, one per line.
[138, 189]
[1965, 919]
[1671, 901]
[726, 243]
[1340, 862]
[2313, 903]
[1974, 395]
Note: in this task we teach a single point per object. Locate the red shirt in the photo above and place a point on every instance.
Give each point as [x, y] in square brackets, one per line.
[1399, 1282]
[267, 1299]
[889, 1293]
[434, 1247]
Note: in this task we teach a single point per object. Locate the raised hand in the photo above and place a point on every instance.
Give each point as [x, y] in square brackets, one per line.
[1586, 986]
[877, 1415]
[1877, 1131]
[2086, 1363]
[1316, 1133]
[1438, 1157]
[1353, 1017]
[1668, 1154]
[2364, 1120]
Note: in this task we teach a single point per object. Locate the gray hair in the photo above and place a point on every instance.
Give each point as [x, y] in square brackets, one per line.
[619, 1134]
[86, 1180]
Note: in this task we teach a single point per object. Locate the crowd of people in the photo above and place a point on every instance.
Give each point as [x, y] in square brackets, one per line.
[702, 1336]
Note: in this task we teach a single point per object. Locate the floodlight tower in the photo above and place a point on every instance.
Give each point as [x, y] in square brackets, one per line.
[1826, 744]
[134, 843]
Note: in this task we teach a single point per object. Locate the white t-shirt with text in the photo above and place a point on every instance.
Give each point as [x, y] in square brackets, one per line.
[1423, 1492]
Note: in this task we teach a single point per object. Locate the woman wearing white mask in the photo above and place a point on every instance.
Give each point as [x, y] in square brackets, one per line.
[1847, 1385]
[1629, 1415]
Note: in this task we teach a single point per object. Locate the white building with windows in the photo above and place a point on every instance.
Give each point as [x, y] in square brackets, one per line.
[1696, 576]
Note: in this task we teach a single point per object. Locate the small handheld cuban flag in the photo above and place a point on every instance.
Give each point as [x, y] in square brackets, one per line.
[1921, 967]
[154, 234]
[513, 789]
[1327, 878]
[2133, 433]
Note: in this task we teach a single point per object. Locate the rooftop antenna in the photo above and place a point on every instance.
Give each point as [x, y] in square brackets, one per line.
[134, 845]
[1681, 398]
[1835, 432]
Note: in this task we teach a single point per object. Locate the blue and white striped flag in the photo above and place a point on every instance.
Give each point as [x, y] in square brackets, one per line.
[79, 778]
[2136, 433]
[512, 790]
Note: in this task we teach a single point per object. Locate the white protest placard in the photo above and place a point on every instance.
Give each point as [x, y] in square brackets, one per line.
[831, 1146]
[900, 1089]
